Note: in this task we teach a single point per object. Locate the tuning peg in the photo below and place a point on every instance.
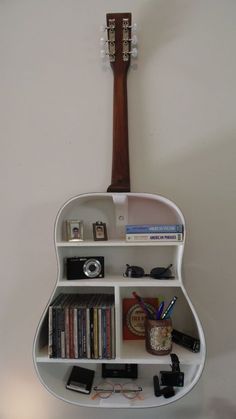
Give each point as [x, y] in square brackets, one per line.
[134, 27]
[102, 28]
[103, 54]
[134, 52]
[134, 40]
[103, 42]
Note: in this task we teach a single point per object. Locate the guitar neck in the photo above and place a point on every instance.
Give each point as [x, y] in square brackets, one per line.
[119, 34]
[120, 179]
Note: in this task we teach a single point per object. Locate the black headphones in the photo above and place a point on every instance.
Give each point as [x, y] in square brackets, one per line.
[156, 273]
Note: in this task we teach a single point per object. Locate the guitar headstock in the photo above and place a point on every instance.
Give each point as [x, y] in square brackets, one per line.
[119, 43]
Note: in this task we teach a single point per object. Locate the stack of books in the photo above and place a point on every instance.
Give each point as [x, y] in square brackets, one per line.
[82, 326]
[154, 232]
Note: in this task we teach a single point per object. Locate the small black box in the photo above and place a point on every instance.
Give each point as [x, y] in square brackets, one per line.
[81, 380]
[172, 378]
[120, 371]
[188, 342]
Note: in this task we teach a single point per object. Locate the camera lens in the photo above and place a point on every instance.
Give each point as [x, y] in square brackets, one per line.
[92, 268]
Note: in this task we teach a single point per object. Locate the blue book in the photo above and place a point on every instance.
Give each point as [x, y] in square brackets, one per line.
[153, 228]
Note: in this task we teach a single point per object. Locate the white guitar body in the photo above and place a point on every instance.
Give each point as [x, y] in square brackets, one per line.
[118, 210]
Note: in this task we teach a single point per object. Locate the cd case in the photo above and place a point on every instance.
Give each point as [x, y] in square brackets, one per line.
[81, 380]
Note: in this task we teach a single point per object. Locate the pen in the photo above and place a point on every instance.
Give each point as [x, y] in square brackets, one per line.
[142, 304]
[169, 313]
[169, 309]
[160, 310]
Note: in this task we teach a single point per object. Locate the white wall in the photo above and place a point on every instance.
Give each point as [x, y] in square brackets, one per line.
[56, 120]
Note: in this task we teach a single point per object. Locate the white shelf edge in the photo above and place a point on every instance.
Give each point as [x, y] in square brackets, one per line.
[129, 347]
[186, 357]
[120, 281]
[116, 243]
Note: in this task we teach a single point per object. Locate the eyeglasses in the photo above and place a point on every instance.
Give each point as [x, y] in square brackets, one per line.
[128, 390]
[156, 273]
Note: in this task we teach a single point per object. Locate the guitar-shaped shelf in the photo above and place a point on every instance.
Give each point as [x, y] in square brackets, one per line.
[117, 208]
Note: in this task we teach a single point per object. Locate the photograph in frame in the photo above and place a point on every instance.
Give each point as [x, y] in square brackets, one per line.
[99, 231]
[74, 229]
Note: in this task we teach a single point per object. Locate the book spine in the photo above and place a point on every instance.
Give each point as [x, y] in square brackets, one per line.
[54, 332]
[50, 332]
[154, 228]
[67, 332]
[63, 336]
[108, 331]
[91, 334]
[155, 237]
[58, 331]
[88, 346]
[75, 324]
[113, 333]
[71, 333]
[104, 334]
[84, 331]
[80, 332]
[99, 333]
[63, 348]
[95, 332]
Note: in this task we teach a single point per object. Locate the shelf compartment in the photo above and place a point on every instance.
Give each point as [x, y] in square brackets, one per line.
[116, 259]
[117, 210]
[182, 320]
[43, 336]
[55, 376]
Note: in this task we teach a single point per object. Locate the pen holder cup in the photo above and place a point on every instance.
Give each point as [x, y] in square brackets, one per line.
[158, 339]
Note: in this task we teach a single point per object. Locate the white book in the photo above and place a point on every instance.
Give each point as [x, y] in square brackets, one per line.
[154, 237]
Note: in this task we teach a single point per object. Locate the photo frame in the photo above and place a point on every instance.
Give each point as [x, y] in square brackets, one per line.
[74, 230]
[99, 231]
